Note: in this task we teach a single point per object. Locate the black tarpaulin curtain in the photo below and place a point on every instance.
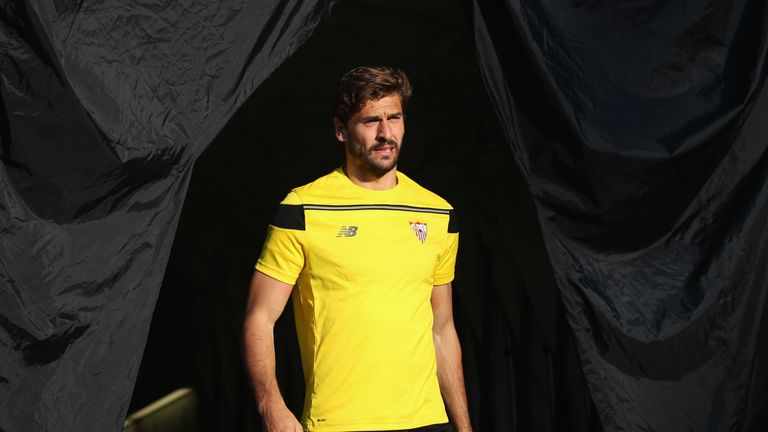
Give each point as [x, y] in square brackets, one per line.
[106, 104]
[635, 124]
[641, 130]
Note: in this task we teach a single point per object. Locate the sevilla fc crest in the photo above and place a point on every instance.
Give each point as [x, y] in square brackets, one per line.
[420, 229]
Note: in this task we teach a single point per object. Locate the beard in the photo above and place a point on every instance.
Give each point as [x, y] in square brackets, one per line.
[367, 159]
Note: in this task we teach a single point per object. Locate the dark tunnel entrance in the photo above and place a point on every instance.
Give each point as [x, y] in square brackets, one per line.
[520, 362]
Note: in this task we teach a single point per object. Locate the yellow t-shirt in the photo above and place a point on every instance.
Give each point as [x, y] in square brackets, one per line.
[364, 262]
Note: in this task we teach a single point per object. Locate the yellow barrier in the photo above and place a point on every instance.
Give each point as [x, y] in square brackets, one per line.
[175, 412]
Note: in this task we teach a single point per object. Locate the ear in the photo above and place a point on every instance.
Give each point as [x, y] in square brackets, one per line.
[340, 130]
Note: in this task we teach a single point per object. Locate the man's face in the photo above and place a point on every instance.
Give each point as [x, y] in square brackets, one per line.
[372, 137]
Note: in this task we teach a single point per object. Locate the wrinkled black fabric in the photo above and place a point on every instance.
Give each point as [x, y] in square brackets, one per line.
[640, 128]
[105, 106]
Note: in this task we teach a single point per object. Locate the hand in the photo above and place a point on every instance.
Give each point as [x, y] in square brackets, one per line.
[278, 418]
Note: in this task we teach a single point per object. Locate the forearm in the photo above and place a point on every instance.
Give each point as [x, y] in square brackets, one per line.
[451, 377]
[260, 361]
[265, 304]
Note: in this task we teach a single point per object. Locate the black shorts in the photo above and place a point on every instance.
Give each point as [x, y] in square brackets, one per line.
[444, 427]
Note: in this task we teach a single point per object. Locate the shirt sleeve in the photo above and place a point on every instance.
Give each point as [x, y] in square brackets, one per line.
[282, 257]
[444, 270]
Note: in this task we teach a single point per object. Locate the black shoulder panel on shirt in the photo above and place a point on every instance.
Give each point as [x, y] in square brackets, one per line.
[453, 223]
[290, 216]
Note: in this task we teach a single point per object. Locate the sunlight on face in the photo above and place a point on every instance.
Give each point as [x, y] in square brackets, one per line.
[373, 136]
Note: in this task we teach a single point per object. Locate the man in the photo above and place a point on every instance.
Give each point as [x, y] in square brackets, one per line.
[372, 256]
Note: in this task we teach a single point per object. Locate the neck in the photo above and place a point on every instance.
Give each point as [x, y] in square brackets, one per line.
[369, 180]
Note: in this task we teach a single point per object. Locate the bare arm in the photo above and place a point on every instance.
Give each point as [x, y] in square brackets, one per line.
[449, 370]
[265, 304]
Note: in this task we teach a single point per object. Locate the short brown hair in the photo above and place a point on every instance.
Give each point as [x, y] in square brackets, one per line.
[363, 84]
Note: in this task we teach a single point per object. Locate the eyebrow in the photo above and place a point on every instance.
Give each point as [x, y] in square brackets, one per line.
[378, 117]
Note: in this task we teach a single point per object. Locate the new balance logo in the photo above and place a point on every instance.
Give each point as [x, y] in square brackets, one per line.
[347, 231]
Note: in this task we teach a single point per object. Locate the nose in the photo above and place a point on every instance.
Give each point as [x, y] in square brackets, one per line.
[384, 131]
